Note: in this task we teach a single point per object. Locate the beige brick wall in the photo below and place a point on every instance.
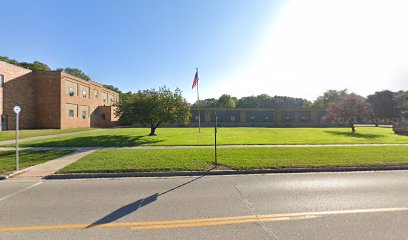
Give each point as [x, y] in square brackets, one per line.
[90, 103]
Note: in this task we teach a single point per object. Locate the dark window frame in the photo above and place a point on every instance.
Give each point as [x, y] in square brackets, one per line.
[1, 81]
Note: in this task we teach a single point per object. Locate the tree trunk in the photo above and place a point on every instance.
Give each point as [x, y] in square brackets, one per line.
[353, 130]
[152, 131]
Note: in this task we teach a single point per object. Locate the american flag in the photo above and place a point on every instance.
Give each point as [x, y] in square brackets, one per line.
[195, 82]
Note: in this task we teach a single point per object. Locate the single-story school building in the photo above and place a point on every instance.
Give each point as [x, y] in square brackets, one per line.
[258, 117]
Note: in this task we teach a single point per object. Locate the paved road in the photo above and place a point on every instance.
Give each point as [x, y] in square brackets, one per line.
[359, 205]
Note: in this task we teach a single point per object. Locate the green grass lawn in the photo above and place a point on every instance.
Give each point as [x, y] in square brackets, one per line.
[124, 137]
[8, 135]
[27, 159]
[121, 160]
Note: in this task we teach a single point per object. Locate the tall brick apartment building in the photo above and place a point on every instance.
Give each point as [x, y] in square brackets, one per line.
[53, 99]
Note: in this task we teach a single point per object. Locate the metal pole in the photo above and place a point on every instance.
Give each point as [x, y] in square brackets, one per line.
[17, 137]
[215, 140]
[198, 105]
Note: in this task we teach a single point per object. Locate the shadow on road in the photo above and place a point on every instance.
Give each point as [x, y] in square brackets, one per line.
[134, 206]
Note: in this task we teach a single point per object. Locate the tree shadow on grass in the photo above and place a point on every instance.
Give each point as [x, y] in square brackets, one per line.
[134, 206]
[355, 135]
[99, 141]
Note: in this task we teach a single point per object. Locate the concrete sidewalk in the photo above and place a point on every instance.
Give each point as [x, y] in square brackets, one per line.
[8, 142]
[44, 169]
[218, 146]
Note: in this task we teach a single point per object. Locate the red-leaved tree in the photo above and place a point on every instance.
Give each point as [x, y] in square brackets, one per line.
[349, 109]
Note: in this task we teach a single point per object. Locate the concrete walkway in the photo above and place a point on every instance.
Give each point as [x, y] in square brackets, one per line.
[8, 142]
[44, 169]
[218, 146]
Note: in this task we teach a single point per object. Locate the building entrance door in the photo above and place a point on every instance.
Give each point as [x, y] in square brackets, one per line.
[4, 122]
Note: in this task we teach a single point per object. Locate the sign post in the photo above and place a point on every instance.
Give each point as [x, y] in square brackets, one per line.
[17, 110]
[215, 140]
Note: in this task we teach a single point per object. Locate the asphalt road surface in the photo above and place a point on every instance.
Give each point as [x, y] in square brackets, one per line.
[359, 205]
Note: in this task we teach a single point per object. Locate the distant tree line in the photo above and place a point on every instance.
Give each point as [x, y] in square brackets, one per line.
[260, 101]
[39, 66]
[383, 104]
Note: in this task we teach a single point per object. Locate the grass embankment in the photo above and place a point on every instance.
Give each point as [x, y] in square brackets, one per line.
[9, 135]
[236, 158]
[125, 137]
[27, 159]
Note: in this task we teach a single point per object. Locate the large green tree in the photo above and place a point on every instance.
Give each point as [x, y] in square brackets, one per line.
[155, 107]
[401, 100]
[225, 101]
[384, 104]
[349, 109]
[328, 97]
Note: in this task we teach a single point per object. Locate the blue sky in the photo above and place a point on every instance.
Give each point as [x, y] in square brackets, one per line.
[296, 48]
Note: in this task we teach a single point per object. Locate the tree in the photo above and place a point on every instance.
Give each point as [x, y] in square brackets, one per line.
[75, 72]
[206, 103]
[113, 88]
[350, 109]
[383, 104]
[35, 66]
[328, 97]
[401, 101]
[247, 102]
[225, 101]
[155, 107]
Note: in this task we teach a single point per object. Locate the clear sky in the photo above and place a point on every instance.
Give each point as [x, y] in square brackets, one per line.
[297, 48]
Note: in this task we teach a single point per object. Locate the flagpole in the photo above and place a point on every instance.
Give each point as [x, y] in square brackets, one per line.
[198, 105]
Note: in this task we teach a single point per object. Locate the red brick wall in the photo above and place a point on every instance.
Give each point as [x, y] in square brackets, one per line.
[43, 98]
[47, 99]
[18, 90]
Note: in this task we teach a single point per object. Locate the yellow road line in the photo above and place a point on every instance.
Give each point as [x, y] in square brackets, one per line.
[205, 222]
[216, 223]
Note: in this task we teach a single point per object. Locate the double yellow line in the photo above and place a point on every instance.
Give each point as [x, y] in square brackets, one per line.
[206, 222]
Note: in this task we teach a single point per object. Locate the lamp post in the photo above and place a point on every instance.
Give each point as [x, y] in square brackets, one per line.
[17, 110]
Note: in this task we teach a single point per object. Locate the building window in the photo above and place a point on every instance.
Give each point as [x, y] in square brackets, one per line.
[71, 113]
[71, 91]
[252, 118]
[84, 94]
[84, 114]
[266, 119]
[303, 119]
[104, 99]
[1, 81]
[232, 118]
[111, 101]
[196, 118]
[96, 93]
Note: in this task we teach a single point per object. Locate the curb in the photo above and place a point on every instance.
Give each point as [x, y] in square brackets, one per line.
[15, 173]
[225, 172]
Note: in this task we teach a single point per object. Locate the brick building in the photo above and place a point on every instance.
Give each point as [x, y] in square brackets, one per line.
[259, 117]
[53, 99]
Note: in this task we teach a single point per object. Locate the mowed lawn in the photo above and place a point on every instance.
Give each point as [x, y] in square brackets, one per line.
[8, 135]
[124, 137]
[121, 160]
[27, 158]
